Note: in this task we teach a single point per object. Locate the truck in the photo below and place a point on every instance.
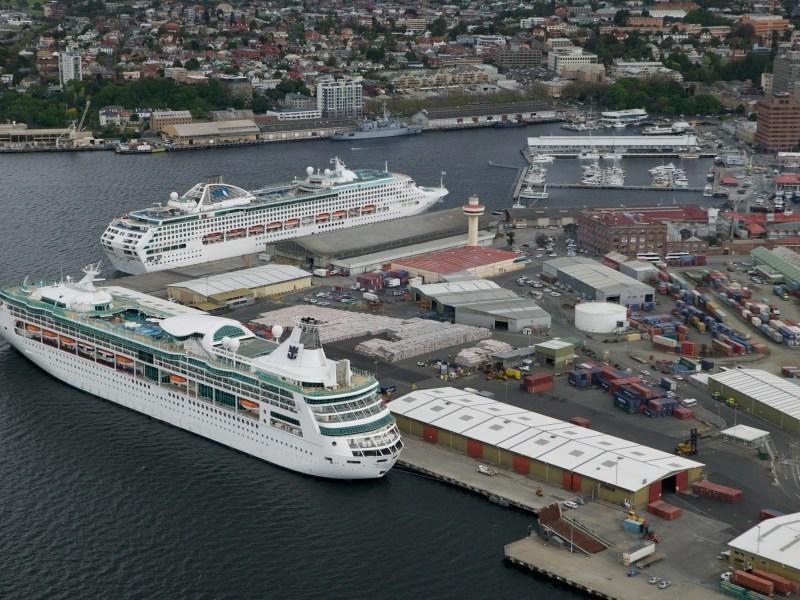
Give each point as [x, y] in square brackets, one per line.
[393, 282]
[668, 384]
[637, 552]
[753, 582]
[513, 373]
[320, 272]
[370, 297]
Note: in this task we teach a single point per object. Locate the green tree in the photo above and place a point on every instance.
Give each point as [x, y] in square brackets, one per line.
[438, 28]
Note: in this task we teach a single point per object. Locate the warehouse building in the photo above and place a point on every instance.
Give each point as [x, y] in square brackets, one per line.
[482, 303]
[368, 247]
[227, 290]
[578, 459]
[554, 353]
[773, 546]
[763, 394]
[780, 260]
[471, 261]
[591, 280]
[242, 131]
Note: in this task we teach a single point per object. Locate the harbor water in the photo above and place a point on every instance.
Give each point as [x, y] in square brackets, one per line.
[99, 501]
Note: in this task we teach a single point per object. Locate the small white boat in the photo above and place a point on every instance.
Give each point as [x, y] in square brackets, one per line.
[484, 470]
[588, 156]
[542, 158]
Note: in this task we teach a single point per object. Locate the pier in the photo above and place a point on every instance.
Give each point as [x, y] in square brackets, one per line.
[643, 188]
[689, 561]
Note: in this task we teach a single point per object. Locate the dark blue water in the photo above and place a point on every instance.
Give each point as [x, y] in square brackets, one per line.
[100, 502]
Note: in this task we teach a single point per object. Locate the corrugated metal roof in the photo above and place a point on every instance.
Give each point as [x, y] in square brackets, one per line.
[589, 452]
[779, 259]
[593, 274]
[781, 394]
[245, 279]
[777, 539]
[482, 296]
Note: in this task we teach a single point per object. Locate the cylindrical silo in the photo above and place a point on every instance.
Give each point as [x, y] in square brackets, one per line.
[600, 317]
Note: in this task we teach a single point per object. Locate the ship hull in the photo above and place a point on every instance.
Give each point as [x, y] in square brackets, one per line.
[169, 405]
[371, 135]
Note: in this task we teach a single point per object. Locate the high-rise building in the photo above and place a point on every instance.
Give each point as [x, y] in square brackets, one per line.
[786, 72]
[69, 66]
[778, 122]
[340, 98]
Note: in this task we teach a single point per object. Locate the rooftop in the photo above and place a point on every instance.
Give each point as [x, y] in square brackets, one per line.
[365, 239]
[483, 296]
[744, 433]
[235, 126]
[780, 394]
[776, 539]
[646, 215]
[593, 274]
[782, 260]
[554, 344]
[242, 280]
[606, 458]
[454, 260]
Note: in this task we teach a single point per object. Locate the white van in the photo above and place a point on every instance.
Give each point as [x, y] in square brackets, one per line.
[689, 402]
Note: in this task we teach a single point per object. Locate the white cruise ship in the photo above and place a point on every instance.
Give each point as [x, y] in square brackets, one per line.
[216, 220]
[286, 403]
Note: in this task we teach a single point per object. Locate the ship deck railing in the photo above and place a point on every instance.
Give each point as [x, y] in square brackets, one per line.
[240, 366]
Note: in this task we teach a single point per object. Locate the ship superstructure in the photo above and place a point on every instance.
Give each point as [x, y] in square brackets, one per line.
[216, 220]
[284, 402]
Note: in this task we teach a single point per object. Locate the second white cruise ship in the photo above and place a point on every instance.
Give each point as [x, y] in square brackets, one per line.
[285, 403]
[215, 220]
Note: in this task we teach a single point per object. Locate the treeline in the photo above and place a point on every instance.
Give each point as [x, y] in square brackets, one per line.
[660, 96]
[712, 68]
[38, 107]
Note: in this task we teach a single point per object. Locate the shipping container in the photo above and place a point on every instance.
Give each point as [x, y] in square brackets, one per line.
[769, 513]
[716, 491]
[637, 552]
[782, 585]
[752, 582]
[664, 510]
[581, 422]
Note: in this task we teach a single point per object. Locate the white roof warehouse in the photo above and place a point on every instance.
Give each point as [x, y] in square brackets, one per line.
[545, 448]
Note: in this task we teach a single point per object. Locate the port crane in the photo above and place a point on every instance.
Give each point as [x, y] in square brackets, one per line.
[72, 130]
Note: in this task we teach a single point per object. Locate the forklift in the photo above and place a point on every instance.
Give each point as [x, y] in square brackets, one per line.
[688, 447]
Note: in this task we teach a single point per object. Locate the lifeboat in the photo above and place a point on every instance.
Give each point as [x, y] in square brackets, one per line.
[277, 225]
[340, 214]
[67, 341]
[236, 233]
[256, 229]
[367, 209]
[124, 360]
[322, 217]
[212, 237]
[32, 328]
[177, 379]
[292, 223]
[248, 404]
[50, 335]
[83, 348]
[105, 355]
[354, 212]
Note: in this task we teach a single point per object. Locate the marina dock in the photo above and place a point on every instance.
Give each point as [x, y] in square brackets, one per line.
[643, 188]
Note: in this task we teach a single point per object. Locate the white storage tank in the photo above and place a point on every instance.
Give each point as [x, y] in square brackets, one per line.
[600, 317]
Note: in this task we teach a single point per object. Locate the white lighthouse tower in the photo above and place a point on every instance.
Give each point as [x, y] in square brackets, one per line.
[473, 209]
